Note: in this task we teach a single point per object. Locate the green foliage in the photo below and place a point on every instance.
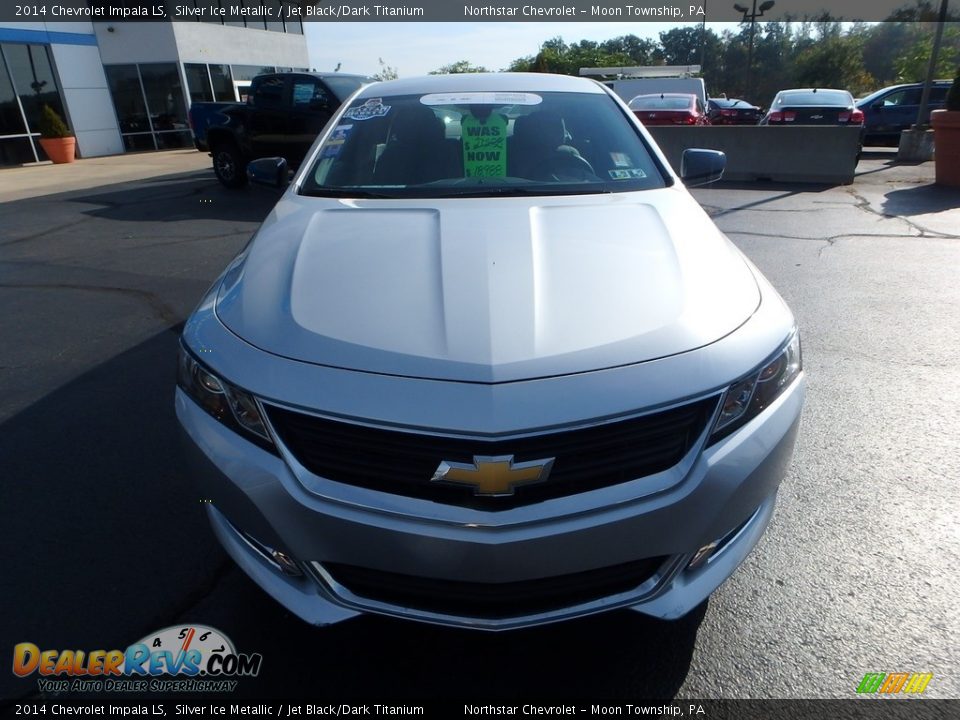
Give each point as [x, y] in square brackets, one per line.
[953, 95]
[911, 65]
[461, 66]
[387, 72]
[52, 125]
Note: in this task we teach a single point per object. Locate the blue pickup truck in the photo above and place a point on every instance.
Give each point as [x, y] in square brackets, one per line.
[283, 115]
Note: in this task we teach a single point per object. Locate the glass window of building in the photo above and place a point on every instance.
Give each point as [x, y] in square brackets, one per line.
[249, 72]
[165, 102]
[127, 94]
[150, 105]
[27, 83]
[198, 82]
[274, 22]
[34, 80]
[11, 119]
[222, 83]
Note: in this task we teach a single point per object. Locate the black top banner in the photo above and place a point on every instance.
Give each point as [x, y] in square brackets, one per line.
[673, 11]
[194, 706]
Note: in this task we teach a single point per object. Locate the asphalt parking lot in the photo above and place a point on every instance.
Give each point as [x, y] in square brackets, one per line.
[105, 538]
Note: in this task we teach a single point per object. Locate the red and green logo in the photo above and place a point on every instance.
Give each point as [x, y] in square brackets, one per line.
[893, 683]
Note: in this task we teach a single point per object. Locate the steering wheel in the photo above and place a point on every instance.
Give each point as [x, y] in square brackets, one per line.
[563, 166]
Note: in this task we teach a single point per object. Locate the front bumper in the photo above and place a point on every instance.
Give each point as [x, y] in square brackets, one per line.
[261, 504]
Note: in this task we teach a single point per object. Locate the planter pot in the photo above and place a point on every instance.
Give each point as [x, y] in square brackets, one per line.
[946, 130]
[59, 150]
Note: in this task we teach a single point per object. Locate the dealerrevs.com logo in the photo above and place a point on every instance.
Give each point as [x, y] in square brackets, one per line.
[193, 658]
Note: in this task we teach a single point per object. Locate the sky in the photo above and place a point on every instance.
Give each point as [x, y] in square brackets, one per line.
[417, 48]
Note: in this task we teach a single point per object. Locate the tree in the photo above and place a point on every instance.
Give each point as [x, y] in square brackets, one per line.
[681, 46]
[387, 72]
[911, 65]
[461, 66]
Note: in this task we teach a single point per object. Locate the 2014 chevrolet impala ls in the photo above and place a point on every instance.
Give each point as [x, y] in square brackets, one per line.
[488, 364]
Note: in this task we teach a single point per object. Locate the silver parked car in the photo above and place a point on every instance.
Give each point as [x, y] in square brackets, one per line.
[488, 364]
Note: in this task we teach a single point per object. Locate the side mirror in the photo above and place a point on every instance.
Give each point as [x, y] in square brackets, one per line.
[270, 171]
[701, 167]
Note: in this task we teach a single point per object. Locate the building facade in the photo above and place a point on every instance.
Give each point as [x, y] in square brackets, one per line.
[127, 86]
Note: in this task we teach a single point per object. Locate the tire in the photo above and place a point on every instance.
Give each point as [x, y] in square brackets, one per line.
[229, 165]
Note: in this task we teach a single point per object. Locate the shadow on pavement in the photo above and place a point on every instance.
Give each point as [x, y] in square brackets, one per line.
[194, 196]
[613, 655]
[921, 200]
[104, 536]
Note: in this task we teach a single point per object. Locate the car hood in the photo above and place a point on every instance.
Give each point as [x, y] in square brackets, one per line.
[487, 290]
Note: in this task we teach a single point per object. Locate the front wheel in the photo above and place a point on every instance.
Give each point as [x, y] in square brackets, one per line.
[229, 165]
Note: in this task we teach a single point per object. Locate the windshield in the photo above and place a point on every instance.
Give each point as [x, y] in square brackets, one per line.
[482, 143]
[664, 102]
[820, 97]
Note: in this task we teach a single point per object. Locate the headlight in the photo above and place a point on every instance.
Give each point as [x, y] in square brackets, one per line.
[235, 408]
[747, 398]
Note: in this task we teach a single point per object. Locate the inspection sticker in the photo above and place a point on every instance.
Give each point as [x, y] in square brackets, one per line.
[627, 174]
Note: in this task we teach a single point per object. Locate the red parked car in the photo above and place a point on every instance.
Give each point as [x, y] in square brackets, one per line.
[669, 109]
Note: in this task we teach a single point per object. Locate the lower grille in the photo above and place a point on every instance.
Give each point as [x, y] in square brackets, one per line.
[403, 463]
[493, 600]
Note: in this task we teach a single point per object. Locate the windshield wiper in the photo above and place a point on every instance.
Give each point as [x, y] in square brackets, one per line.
[348, 193]
[524, 191]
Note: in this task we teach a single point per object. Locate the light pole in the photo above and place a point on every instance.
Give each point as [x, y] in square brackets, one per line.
[752, 16]
[703, 38]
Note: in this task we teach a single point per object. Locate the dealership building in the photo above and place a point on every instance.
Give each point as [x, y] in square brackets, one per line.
[126, 86]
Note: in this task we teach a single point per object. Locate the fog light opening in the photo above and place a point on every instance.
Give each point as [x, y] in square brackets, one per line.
[283, 562]
[287, 565]
[702, 555]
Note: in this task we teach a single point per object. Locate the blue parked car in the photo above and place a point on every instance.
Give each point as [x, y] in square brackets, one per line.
[888, 111]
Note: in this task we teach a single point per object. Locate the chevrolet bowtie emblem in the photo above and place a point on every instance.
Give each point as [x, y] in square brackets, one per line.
[493, 476]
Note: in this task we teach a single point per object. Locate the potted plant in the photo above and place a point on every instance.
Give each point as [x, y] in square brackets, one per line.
[946, 137]
[55, 137]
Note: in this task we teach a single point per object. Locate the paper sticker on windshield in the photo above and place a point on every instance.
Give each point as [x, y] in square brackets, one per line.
[621, 160]
[372, 108]
[484, 145]
[482, 98]
[627, 174]
[335, 142]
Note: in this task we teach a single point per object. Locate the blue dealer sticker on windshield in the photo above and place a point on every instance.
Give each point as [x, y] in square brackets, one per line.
[335, 141]
[372, 108]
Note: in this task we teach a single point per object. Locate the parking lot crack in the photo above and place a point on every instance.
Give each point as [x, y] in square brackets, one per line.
[162, 311]
[863, 203]
[43, 233]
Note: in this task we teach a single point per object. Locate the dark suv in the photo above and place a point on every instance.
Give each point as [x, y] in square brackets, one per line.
[892, 109]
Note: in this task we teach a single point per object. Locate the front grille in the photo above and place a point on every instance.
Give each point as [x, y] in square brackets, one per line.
[493, 600]
[403, 463]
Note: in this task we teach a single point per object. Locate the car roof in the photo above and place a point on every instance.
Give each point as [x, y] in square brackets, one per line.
[484, 82]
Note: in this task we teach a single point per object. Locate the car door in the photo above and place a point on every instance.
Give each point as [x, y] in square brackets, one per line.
[267, 124]
[312, 105]
[898, 110]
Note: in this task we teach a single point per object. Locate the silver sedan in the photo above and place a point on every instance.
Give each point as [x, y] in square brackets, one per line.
[488, 364]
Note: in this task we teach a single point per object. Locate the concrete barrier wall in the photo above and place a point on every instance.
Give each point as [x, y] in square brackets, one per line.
[803, 153]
